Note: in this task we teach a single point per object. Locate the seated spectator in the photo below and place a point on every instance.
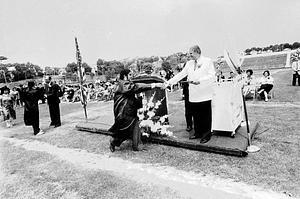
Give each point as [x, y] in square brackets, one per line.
[220, 76]
[266, 85]
[163, 74]
[231, 75]
[249, 84]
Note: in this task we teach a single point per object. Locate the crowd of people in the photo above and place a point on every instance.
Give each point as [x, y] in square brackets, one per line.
[98, 91]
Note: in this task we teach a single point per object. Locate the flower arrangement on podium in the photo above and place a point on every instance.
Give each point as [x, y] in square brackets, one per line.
[151, 124]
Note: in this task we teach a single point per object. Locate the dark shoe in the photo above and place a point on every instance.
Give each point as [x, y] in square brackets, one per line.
[204, 140]
[135, 149]
[112, 147]
[57, 125]
[51, 124]
[188, 129]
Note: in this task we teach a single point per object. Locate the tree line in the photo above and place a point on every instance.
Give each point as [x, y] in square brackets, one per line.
[16, 71]
[273, 48]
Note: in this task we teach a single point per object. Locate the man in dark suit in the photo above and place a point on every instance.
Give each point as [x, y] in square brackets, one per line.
[53, 92]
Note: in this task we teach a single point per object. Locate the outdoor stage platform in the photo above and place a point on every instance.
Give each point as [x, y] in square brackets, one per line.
[220, 143]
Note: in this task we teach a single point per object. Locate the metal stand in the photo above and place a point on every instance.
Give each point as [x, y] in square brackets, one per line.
[251, 148]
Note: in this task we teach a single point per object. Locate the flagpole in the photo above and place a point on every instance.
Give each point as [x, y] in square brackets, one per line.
[80, 77]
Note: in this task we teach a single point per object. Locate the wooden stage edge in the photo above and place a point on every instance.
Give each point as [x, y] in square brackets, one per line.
[182, 144]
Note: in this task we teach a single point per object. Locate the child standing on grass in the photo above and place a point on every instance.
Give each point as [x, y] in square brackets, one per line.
[7, 104]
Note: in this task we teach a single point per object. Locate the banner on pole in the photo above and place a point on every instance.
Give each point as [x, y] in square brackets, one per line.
[234, 67]
[81, 75]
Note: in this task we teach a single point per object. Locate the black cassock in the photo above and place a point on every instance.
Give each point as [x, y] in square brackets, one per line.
[53, 92]
[30, 97]
[125, 109]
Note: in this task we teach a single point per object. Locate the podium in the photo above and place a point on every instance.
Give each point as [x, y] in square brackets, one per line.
[227, 106]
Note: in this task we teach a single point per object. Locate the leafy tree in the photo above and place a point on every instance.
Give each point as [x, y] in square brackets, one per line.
[49, 70]
[86, 67]
[248, 51]
[71, 67]
[3, 58]
[100, 62]
[287, 45]
[266, 49]
[253, 49]
[100, 65]
[18, 71]
[295, 45]
[166, 66]
[56, 71]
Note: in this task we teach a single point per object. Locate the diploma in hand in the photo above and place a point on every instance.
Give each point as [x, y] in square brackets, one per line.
[186, 82]
[190, 82]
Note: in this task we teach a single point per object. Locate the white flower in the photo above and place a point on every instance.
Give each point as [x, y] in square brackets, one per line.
[155, 127]
[145, 134]
[147, 123]
[144, 101]
[169, 133]
[162, 119]
[142, 110]
[141, 116]
[165, 131]
[151, 114]
[157, 104]
[143, 123]
[150, 104]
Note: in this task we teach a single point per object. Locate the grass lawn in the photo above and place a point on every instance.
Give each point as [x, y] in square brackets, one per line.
[36, 175]
[275, 167]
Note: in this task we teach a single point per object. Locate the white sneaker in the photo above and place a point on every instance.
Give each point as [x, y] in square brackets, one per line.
[8, 124]
[41, 132]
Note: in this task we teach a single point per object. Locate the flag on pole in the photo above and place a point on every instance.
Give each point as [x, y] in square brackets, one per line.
[80, 69]
[81, 75]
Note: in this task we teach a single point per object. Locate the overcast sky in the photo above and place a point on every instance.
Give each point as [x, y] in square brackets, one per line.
[42, 31]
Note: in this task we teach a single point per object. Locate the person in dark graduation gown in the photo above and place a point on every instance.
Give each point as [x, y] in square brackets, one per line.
[126, 104]
[30, 97]
[53, 92]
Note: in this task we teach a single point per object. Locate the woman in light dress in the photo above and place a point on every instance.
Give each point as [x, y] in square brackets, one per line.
[266, 85]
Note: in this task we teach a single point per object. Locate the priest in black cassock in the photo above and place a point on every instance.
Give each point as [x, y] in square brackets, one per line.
[126, 125]
[53, 92]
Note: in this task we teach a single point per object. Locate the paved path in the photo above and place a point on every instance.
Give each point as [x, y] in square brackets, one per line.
[186, 184]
